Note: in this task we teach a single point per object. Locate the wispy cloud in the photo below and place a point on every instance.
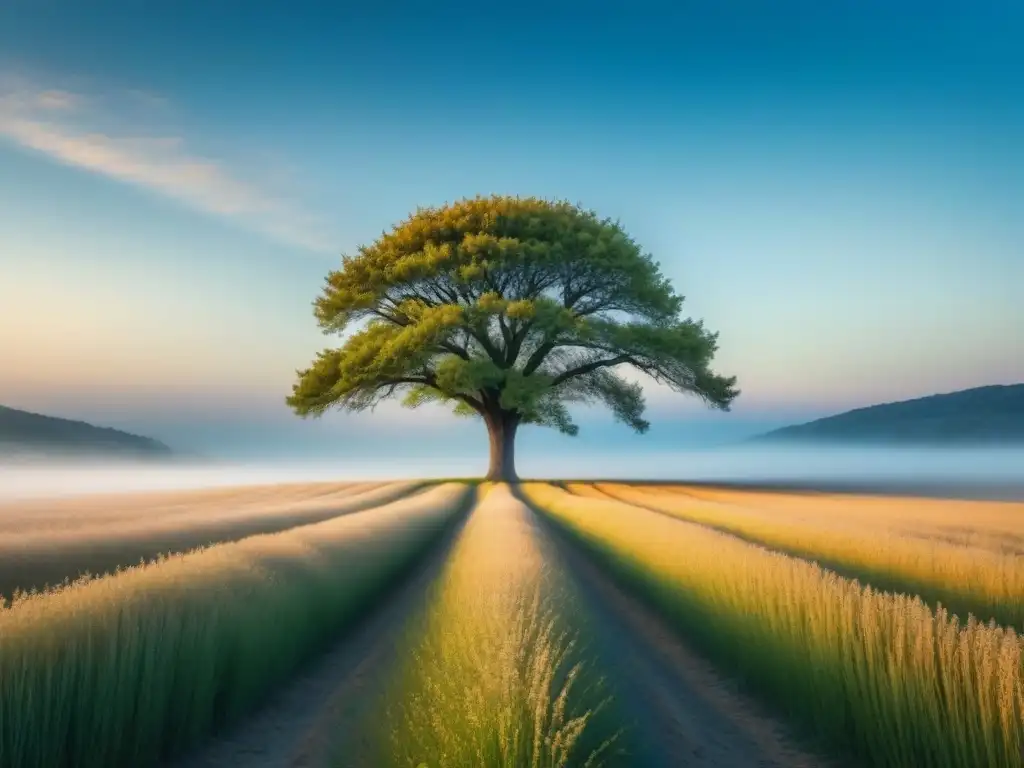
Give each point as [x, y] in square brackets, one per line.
[88, 130]
[59, 100]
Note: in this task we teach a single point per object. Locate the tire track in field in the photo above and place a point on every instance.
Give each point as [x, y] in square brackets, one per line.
[687, 713]
[301, 726]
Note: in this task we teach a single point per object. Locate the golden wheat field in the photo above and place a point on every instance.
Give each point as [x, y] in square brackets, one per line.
[895, 681]
[44, 543]
[996, 525]
[493, 674]
[889, 543]
[857, 627]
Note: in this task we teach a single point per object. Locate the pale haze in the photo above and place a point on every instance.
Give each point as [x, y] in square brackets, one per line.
[974, 473]
[845, 206]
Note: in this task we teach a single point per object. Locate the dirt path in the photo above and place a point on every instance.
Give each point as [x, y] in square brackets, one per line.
[686, 714]
[298, 726]
[681, 712]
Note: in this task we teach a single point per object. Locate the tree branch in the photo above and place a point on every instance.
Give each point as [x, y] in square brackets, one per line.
[506, 334]
[593, 366]
[447, 346]
[430, 380]
[516, 344]
[484, 339]
[538, 357]
[458, 351]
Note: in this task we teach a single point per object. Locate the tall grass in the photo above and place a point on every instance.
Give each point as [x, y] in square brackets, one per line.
[492, 675]
[995, 525]
[877, 676]
[41, 556]
[78, 512]
[966, 580]
[136, 667]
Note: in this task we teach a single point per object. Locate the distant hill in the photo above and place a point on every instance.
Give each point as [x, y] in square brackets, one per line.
[984, 415]
[24, 433]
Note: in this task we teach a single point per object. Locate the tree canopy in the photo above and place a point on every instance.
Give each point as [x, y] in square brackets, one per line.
[509, 309]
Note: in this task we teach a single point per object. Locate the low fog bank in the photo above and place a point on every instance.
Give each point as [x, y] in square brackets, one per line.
[984, 473]
[975, 472]
[34, 479]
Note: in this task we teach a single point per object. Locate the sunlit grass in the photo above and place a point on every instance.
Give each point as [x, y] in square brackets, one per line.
[492, 674]
[82, 511]
[987, 584]
[586, 490]
[126, 670]
[47, 551]
[875, 675]
[995, 525]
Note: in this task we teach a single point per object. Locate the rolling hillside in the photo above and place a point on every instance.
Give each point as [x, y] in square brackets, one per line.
[984, 415]
[22, 432]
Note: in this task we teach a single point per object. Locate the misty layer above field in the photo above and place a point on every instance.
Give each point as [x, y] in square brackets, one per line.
[983, 415]
[987, 473]
[27, 434]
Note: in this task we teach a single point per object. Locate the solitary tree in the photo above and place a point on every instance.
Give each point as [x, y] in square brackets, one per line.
[508, 309]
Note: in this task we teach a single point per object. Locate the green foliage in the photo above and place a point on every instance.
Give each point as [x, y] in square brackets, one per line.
[506, 305]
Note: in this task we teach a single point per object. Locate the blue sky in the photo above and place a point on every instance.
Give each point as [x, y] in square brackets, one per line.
[838, 188]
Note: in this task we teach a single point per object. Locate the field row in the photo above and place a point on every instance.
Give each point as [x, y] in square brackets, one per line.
[133, 668]
[995, 525]
[877, 676]
[107, 511]
[498, 667]
[45, 543]
[492, 671]
[881, 542]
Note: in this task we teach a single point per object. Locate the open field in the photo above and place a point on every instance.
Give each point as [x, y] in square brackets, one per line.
[98, 510]
[987, 523]
[825, 650]
[125, 670]
[436, 646]
[1006, 486]
[378, 625]
[963, 555]
[47, 543]
[492, 671]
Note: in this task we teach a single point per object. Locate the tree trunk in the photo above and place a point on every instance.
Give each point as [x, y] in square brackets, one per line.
[501, 429]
